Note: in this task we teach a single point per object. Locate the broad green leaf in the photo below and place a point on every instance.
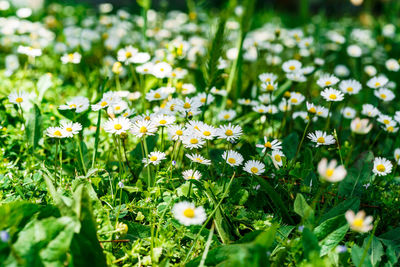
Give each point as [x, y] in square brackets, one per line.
[375, 250]
[43, 84]
[356, 255]
[329, 226]
[34, 127]
[310, 242]
[303, 209]
[333, 239]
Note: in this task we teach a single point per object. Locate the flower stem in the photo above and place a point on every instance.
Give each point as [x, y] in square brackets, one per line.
[149, 180]
[302, 138]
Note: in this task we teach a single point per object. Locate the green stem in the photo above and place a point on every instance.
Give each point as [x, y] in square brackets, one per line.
[328, 120]
[149, 179]
[208, 219]
[81, 156]
[60, 157]
[368, 244]
[302, 138]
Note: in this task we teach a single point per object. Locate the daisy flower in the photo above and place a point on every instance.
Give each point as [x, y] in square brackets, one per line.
[202, 97]
[155, 95]
[311, 108]
[369, 110]
[392, 65]
[350, 87]
[384, 94]
[187, 88]
[74, 58]
[18, 98]
[397, 155]
[187, 214]
[247, 102]
[29, 51]
[330, 94]
[233, 158]
[227, 115]
[327, 80]
[254, 167]
[262, 109]
[117, 107]
[385, 119]
[291, 66]
[229, 132]
[79, 103]
[154, 158]
[296, 98]
[192, 141]
[107, 100]
[267, 77]
[276, 157]
[359, 222]
[163, 120]
[71, 127]
[382, 166]
[271, 145]
[330, 171]
[377, 82]
[175, 132]
[348, 112]
[162, 70]
[188, 105]
[321, 138]
[354, 51]
[390, 128]
[269, 86]
[125, 54]
[57, 132]
[206, 131]
[117, 126]
[322, 112]
[143, 127]
[360, 126]
[191, 175]
[198, 158]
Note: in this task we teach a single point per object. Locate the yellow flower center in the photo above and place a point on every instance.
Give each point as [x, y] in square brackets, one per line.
[57, 133]
[203, 100]
[254, 169]
[267, 145]
[19, 100]
[147, 118]
[103, 104]
[198, 160]
[349, 89]
[328, 83]
[383, 96]
[157, 95]
[231, 160]
[260, 110]
[163, 121]
[293, 100]
[278, 158]
[312, 110]
[194, 141]
[292, 67]
[72, 106]
[117, 126]
[189, 212]
[69, 129]
[390, 129]
[385, 121]
[381, 168]
[358, 125]
[270, 87]
[206, 133]
[333, 96]
[128, 54]
[143, 129]
[268, 80]
[377, 84]
[226, 116]
[321, 140]
[358, 222]
[228, 132]
[153, 158]
[186, 105]
[179, 132]
[329, 172]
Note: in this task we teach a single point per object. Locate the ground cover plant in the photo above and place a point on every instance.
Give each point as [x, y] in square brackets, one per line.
[197, 138]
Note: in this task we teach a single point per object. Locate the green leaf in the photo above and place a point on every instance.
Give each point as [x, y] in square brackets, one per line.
[358, 175]
[137, 231]
[289, 145]
[333, 239]
[43, 84]
[375, 250]
[33, 128]
[328, 226]
[303, 209]
[356, 255]
[341, 208]
[310, 242]
[275, 199]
